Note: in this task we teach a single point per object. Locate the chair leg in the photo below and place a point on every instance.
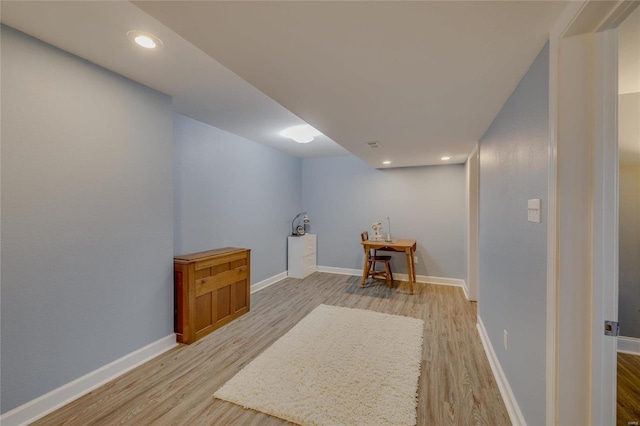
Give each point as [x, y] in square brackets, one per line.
[372, 269]
[387, 267]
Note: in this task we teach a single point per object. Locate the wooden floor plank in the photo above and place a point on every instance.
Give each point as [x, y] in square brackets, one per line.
[628, 389]
[456, 386]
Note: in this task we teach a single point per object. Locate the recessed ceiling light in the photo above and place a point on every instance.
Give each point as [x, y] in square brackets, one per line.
[146, 40]
[303, 133]
[445, 158]
[386, 162]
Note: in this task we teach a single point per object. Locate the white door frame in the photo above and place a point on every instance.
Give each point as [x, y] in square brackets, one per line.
[472, 173]
[569, 295]
[605, 228]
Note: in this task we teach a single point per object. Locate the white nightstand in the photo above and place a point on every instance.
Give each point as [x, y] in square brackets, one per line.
[302, 256]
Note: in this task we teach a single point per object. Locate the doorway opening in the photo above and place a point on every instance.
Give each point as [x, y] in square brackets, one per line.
[628, 359]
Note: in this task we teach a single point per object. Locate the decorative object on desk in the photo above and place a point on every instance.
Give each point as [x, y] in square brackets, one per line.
[377, 236]
[337, 366]
[388, 229]
[299, 229]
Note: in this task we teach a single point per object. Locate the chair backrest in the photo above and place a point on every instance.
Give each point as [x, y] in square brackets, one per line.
[364, 237]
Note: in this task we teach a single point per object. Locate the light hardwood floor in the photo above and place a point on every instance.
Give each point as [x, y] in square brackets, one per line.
[628, 389]
[456, 385]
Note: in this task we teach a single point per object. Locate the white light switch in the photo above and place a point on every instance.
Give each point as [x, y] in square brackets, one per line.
[533, 210]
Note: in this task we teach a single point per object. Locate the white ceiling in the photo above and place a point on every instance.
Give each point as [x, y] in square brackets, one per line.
[629, 54]
[201, 87]
[425, 79]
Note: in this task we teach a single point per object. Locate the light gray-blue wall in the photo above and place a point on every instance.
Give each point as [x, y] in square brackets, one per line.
[344, 196]
[230, 191]
[629, 212]
[87, 212]
[512, 251]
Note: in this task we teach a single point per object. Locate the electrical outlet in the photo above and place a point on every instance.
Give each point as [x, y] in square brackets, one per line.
[506, 340]
[415, 260]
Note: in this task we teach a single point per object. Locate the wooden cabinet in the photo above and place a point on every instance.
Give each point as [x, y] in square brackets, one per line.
[212, 288]
[302, 256]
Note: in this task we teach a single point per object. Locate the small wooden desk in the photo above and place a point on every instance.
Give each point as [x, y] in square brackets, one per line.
[406, 246]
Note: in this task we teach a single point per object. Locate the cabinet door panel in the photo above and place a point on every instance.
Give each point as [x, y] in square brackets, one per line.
[203, 311]
[240, 290]
[223, 309]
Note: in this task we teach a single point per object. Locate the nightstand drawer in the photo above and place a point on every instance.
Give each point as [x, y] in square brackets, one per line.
[309, 265]
[309, 245]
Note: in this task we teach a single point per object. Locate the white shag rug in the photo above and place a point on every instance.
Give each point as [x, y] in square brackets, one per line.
[338, 366]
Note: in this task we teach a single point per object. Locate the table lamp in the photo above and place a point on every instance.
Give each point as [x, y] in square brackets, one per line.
[299, 230]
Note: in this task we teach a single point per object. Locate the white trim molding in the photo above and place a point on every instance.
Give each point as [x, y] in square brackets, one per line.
[339, 271]
[472, 192]
[509, 399]
[629, 345]
[466, 290]
[49, 402]
[425, 279]
[605, 227]
[269, 281]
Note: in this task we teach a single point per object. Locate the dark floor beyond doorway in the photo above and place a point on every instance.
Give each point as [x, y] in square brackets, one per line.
[628, 389]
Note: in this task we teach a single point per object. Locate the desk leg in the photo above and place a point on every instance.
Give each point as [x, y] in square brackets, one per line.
[410, 269]
[413, 264]
[365, 268]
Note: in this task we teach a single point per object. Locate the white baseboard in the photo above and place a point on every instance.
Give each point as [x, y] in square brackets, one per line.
[629, 345]
[465, 290]
[455, 282]
[425, 279]
[503, 384]
[340, 271]
[49, 402]
[269, 281]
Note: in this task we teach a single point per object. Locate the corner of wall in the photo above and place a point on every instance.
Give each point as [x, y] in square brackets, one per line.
[515, 414]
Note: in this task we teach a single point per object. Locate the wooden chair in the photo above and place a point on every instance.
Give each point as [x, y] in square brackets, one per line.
[374, 259]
